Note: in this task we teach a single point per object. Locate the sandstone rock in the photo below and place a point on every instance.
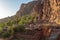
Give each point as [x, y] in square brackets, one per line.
[48, 10]
[55, 11]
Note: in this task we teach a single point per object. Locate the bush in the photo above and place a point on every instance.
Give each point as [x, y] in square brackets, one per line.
[0, 29]
[16, 25]
[26, 19]
[10, 22]
[19, 29]
[2, 25]
[5, 34]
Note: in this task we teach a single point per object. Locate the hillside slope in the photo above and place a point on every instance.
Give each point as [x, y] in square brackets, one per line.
[47, 10]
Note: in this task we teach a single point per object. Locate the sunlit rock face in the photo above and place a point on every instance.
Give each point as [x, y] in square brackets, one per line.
[48, 10]
[55, 11]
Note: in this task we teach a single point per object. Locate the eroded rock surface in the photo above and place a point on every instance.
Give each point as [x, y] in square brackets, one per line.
[49, 10]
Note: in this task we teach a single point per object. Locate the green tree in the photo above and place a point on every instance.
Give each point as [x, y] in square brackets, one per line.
[10, 22]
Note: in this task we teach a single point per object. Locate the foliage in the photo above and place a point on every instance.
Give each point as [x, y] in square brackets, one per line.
[5, 34]
[2, 24]
[27, 19]
[19, 28]
[0, 29]
[16, 25]
[10, 22]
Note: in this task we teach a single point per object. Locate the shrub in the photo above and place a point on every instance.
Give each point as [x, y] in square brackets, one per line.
[5, 34]
[0, 29]
[2, 24]
[19, 29]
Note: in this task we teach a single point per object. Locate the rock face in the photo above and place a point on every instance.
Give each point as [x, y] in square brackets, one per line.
[48, 10]
[55, 11]
[26, 8]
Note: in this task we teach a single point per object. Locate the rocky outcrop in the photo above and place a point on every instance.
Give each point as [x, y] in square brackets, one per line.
[48, 10]
[7, 19]
[55, 11]
[26, 8]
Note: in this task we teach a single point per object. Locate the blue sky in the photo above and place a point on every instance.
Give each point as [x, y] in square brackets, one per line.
[10, 7]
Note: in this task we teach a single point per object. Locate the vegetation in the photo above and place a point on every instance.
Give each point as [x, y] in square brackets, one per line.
[19, 29]
[17, 25]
